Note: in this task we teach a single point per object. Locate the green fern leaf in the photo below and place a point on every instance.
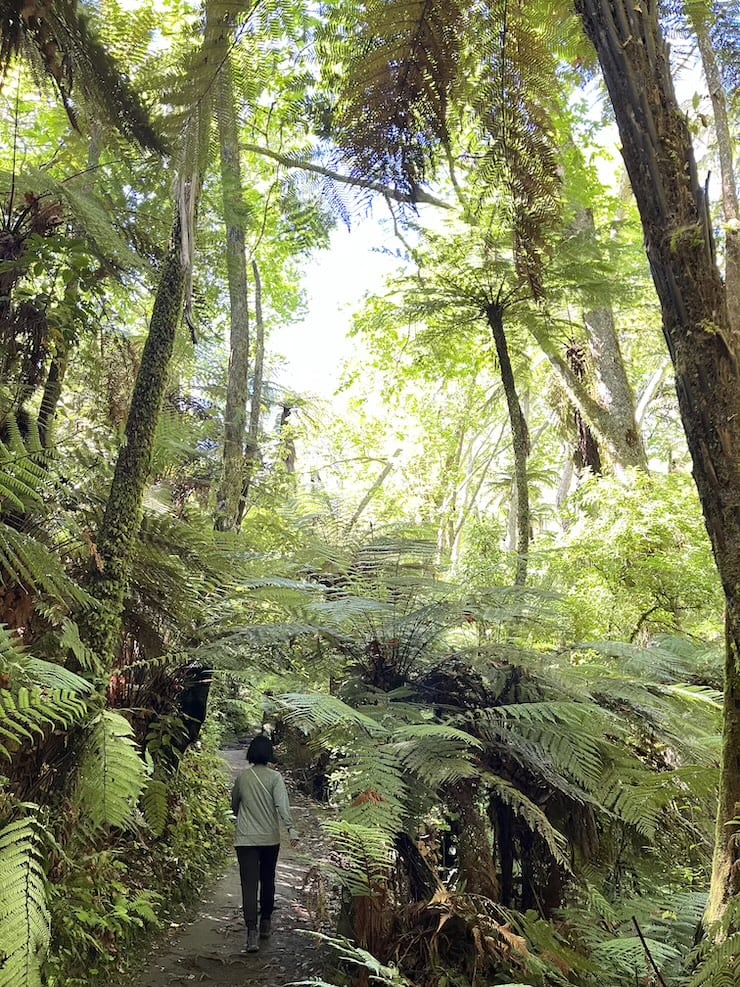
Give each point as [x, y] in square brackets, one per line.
[111, 774]
[364, 856]
[25, 712]
[436, 753]
[317, 711]
[531, 815]
[154, 804]
[24, 917]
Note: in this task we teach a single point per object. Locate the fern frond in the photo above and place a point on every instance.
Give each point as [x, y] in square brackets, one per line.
[25, 559]
[317, 711]
[349, 952]
[154, 805]
[402, 66]
[25, 712]
[566, 731]
[364, 856]
[24, 917]
[111, 774]
[436, 753]
[22, 477]
[627, 955]
[373, 780]
[719, 957]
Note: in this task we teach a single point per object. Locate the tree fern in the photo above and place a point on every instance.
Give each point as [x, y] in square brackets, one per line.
[24, 918]
[111, 774]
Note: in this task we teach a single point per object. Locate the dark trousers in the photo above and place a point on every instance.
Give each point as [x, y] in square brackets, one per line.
[257, 866]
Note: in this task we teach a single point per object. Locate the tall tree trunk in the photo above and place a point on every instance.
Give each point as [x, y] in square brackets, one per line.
[122, 518]
[613, 390]
[657, 150]
[519, 437]
[253, 458]
[229, 493]
[725, 144]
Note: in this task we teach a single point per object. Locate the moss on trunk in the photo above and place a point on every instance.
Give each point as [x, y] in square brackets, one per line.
[121, 521]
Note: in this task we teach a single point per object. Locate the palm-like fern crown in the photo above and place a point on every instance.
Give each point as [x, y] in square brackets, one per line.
[407, 64]
[55, 38]
[401, 70]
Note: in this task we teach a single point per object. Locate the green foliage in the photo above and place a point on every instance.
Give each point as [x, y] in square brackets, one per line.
[24, 917]
[111, 774]
[98, 911]
[200, 829]
[649, 569]
[25, 712]
[364, 854]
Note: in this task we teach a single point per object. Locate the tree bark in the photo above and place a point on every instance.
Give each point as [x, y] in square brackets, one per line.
[520, 440]
[613, 389]
[229, 496]
[477, 868]
[658, 154]
[253, 458]
[122, 518]
[725, 144]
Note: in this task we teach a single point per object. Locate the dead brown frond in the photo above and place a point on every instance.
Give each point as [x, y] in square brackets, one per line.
[463, 933]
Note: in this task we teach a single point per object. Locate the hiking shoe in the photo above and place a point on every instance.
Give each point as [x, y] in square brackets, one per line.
[252, 943]
[265, 928]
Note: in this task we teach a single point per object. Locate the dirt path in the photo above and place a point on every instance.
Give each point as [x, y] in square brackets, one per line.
[210, 949]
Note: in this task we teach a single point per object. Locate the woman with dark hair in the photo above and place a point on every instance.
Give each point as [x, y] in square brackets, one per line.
[259, 801]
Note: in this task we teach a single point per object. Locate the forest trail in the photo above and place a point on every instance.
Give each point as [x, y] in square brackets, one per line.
[209, 949]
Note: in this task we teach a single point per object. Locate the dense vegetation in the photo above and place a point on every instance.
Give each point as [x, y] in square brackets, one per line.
[489, 593]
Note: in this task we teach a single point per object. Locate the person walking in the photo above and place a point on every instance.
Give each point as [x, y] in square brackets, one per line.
[259, 801]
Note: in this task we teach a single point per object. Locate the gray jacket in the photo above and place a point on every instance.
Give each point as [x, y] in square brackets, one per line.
[259, 800]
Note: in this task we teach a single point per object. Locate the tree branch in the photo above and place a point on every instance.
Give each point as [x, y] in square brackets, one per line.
[419, 196]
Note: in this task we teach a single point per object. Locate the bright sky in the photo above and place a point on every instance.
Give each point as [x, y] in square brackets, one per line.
[335, 283]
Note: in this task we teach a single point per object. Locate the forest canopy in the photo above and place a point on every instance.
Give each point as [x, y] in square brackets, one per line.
[487, 590]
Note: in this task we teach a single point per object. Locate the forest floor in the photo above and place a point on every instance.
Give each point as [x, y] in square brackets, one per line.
[209, 948]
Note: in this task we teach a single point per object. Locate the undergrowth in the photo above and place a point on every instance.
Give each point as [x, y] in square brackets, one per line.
[109, 894]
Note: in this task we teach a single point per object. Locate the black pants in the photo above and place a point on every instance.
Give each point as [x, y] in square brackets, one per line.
[257, 866]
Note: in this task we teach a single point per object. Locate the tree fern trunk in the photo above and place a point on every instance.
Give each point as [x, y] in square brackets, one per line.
[520, 440]
[52, 394]
[657, 150]
[477, 868]
[237, 389]
[122, 518]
